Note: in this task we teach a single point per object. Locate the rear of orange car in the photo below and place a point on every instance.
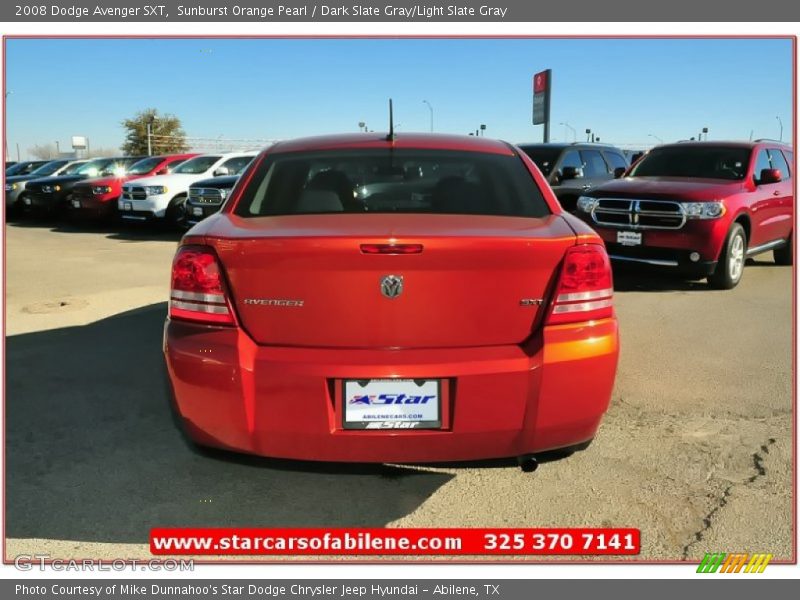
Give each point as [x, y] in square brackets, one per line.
[416, 299]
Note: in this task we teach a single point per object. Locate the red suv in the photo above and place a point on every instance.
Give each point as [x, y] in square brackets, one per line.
[96, 198]
[701, 208]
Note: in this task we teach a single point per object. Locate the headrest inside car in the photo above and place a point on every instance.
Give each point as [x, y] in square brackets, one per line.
[319, 201]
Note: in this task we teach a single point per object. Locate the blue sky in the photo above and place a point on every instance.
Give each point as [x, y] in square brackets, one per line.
[621, 89]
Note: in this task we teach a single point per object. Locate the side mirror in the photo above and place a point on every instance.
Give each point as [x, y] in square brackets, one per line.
[164, 171]
[769, 176]
[619, 172]
[571, 173]
[222, 171]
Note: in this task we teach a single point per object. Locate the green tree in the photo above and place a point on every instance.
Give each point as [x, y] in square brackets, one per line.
[167, 135]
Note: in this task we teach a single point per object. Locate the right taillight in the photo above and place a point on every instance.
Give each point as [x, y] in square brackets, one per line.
[585, 287]
[198, 289]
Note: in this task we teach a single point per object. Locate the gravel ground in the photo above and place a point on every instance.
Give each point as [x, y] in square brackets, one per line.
[696, 450]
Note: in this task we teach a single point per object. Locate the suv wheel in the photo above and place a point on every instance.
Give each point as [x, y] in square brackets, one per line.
[783, 255]
[175, 212]
[731, 261]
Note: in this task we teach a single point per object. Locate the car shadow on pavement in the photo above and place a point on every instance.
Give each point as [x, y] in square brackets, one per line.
[127, 232]
[92, 453]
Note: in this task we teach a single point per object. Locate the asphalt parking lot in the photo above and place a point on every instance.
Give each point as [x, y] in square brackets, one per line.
[695, 451]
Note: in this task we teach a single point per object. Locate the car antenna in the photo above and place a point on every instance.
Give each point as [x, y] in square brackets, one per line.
[390, 137]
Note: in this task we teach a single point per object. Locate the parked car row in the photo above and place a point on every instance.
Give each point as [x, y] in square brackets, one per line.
[698, 208]
[136, 188]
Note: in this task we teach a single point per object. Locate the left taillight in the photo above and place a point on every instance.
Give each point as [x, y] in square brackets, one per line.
[198, 288]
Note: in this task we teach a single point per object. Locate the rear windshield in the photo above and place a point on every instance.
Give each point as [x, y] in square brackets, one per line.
[399, 181]
[707, 162]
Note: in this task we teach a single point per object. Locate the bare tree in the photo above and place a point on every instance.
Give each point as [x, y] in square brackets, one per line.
[105, 152]
[43, 151]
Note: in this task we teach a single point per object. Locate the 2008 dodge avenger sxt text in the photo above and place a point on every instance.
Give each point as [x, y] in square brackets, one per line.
[410, 298]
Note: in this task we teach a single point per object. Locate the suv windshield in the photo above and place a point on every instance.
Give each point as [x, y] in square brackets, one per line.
[48, 168]
[119, 166]
[73, 168]
[402, 181]
[236, 165]
[707, 162]
[24, 168]
[197, 165]
[94, 167]
[145, 166]
[544, 157]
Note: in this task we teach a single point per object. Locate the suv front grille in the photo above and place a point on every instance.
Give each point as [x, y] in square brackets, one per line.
[205, 196]
[638, 214]
[134, 193]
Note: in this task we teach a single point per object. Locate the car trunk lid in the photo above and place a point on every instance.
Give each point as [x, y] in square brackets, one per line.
[317, 280]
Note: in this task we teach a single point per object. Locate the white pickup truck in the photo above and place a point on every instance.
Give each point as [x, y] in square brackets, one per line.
[164, 196]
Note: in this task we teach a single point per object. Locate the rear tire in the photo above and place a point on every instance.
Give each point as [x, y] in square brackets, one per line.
[783, 255]
[730, 266]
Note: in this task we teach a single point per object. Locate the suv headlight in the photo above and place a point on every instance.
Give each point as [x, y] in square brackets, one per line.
[586, 203]
[156, 190]
[49, 189]
[101, 189]
[703, 210]
[10, 187]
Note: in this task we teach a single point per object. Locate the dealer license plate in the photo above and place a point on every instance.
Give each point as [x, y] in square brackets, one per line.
[127, 206]
[76, 204]
[629, 238]
[26, 201]
[392, 404]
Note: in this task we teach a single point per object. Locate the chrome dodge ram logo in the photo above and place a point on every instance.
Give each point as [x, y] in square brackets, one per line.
[392, 286]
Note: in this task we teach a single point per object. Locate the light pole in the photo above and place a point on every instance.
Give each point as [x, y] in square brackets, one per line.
[362, 126]
[58, 150]
[430, 108]
[150, 120]
[588, 134]
[571, 128]
[652, 135]
[781, 124]
[483, 130]
[705, 131]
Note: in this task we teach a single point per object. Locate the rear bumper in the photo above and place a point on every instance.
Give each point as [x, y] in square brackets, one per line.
[499, 401]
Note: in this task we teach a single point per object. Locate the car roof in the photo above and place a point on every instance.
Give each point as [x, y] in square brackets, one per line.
[562, 145]
[415, 141]
[727, 143]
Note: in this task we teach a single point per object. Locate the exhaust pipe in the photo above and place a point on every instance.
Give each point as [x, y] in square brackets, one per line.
[528, 464]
